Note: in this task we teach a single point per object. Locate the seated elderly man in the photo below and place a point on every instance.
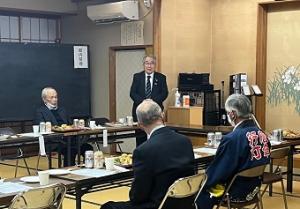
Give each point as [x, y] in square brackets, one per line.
[245, 147]
[51, 112]
[158, 162]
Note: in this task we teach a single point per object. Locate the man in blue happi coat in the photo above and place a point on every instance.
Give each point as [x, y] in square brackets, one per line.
[245, 147]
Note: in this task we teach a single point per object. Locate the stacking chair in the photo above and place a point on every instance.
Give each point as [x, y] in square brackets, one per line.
[226, 200]
[102, 121]
[19, 152]
[276, 175]
[46, 197]
[182, 193]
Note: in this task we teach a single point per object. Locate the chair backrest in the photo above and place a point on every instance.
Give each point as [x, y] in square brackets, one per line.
[100, 121]
[253, 172]
[182, 193]
[50, 196]
[279, 153]
[250, 173]
[7, 131]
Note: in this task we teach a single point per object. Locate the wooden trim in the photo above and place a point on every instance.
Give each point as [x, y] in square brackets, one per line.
[116, 48]
[278, 2]
[112, 84]
[261, 55]
[157, 33]
[112, 75]
[261, 59]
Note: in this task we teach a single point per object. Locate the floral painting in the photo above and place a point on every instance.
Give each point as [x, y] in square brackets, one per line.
[285, 87]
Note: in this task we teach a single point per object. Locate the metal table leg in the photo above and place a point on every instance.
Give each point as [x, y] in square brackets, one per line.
[69, 149]
[78, 197]
[271, 185]
[290, 166]
[78, 141]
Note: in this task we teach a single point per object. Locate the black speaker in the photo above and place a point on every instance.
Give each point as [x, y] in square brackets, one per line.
[194, 82]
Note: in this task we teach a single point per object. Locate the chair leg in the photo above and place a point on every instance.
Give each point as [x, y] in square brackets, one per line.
[27, 168]
[228, 203]
[97, 146]
[120, 148]
[16, 168]
[283, 195]
[264, 190]
[38, 163]
[260, 203]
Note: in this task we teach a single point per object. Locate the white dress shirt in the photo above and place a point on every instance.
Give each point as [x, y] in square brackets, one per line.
[151, 79]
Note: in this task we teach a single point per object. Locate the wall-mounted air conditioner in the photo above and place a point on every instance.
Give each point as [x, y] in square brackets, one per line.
[113, 12]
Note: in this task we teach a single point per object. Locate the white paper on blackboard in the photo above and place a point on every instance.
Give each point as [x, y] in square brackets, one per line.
[80, 57]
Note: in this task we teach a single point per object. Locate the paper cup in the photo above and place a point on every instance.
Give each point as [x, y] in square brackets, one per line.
[129, 120]
[92, 124]
[35, 129]
[44, 177]
[109, 163]
[122, 120]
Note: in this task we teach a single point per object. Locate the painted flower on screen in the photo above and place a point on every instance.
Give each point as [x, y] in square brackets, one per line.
[285, 87]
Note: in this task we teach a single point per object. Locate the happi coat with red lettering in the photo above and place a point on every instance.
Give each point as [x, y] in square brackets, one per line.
[245, 147]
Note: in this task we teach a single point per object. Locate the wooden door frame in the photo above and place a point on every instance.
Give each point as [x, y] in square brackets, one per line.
[261, 55]
[157, 32]
[112, 74]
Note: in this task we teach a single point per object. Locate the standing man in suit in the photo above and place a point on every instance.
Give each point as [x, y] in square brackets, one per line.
[147, 84]
[157, 163]
[51, 112]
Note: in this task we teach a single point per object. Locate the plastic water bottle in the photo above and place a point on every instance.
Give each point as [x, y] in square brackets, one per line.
[177, 98]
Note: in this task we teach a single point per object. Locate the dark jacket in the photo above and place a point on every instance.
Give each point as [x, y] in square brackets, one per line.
[157, 163]
[43, 114]
[137, 91]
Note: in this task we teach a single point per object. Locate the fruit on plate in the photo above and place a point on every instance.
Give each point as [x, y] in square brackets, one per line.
[124, 159]
[63, 127]
[290, 133]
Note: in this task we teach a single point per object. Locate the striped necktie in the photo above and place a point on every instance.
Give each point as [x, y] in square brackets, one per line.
[148, 88]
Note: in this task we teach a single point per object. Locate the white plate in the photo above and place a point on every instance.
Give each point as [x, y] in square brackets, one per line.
[45, 133]
[58, 172]
[30, 134]
[30, 179]
[3, 137]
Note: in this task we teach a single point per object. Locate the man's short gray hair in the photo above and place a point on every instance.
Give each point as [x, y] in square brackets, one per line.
[148, 112]
[151, 56]
[240, 104]
[45, 92]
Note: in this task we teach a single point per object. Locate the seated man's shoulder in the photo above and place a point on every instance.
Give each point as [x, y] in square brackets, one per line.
[41, 108]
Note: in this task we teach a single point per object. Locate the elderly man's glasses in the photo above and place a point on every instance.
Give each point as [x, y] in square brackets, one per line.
[149, 63]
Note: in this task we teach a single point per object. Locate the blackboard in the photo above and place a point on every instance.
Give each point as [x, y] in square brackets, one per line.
[25, 69]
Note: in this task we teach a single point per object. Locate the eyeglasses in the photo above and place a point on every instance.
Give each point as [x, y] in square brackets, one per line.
[149, 63]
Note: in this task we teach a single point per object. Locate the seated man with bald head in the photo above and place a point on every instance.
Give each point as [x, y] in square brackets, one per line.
[51, 112]
[158, 162]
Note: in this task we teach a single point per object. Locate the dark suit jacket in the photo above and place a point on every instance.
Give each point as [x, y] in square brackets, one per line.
[43, 114]
[137, 91]
[157, 163]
